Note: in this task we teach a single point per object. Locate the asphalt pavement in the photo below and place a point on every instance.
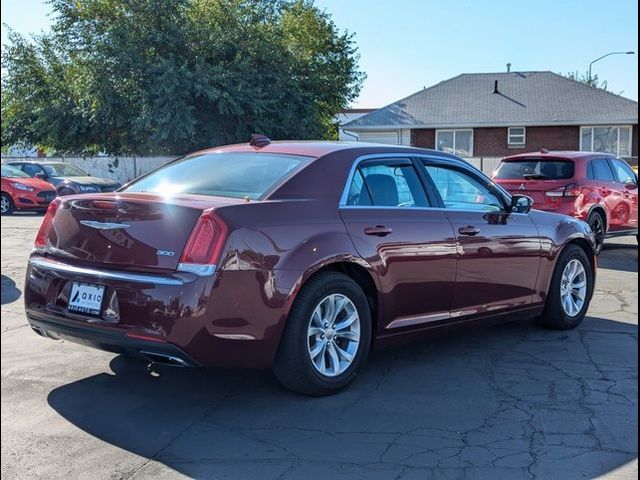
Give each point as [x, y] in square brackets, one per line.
[507, 402]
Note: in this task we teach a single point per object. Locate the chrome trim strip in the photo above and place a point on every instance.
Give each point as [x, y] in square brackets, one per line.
[418, 319]
[106, 274]
[202, 270]
[234, 336]
[437, 156]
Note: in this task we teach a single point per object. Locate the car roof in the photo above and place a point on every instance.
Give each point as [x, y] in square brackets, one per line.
[37, 162]
[560, 154]
[318, 148]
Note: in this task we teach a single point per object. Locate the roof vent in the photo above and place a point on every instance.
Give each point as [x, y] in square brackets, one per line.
[495, 87]
[259, 141]
[509, 67]
[544, 150]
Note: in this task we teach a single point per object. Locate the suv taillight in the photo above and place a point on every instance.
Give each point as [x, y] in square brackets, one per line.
[45, 227]
[204, 244]
[572, 190]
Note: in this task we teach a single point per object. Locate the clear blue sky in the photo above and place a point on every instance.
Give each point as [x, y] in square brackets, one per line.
[408, 44]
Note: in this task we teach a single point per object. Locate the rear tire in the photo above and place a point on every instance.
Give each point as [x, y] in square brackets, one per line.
[310, 329]
[564, 309]
[599, 227]
[7, 205]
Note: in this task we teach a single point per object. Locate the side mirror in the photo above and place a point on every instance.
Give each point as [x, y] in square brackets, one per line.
[40, 175]
[521, 203]
[631, 186]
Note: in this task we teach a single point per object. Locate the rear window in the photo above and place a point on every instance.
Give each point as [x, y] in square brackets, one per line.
[237, 175]
[535, 169]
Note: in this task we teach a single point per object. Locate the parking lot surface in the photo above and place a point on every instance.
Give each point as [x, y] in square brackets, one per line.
[509, 402]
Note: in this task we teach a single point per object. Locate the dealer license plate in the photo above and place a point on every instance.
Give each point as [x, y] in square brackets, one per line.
[86, 298]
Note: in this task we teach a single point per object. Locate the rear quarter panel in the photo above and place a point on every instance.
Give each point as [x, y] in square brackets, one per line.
[283, 243]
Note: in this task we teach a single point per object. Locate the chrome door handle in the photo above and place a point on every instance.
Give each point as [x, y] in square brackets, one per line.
[469, 231]
[378, 231]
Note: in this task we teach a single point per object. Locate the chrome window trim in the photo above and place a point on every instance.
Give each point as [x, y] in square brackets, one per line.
[397, 155]
[106, 274]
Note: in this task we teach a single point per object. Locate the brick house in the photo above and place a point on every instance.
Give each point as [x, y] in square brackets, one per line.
[486, 116]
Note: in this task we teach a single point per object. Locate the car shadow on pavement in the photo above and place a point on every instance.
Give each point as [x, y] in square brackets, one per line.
[511, 401]
[619, 256]
[10, 293]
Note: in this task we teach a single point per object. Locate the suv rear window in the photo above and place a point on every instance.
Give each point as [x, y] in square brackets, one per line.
[236, 175]
[535, 169]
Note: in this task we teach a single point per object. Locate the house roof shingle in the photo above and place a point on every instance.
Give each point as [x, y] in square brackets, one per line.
[524, 99]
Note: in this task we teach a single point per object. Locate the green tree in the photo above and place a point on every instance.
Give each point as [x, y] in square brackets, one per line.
[592, 81]
[169, 76]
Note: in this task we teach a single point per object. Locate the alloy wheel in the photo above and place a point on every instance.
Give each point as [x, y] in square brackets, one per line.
[4, 204]
[333, 335]
[573, 287]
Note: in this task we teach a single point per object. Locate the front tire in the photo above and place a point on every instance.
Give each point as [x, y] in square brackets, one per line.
[570, 291]
[599, 227]
[6, 205]
[327, 337]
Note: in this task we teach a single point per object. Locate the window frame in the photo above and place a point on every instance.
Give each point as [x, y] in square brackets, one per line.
[433, 197]
[629, 128]
[454, 131]
[517, 144]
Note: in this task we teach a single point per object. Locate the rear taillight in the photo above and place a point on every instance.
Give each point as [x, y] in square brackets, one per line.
[571, 191]
[45, 226]
[204, 245]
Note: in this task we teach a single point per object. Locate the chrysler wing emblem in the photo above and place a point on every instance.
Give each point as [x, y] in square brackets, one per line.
[104, 225]
[522, 187]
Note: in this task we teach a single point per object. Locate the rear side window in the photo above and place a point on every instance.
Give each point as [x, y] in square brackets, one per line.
[237, 175]
[386, 185]
[600, 170]
[535, 169]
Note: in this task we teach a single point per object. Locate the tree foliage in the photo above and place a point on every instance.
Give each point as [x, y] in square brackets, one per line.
[592, 81]
[169, 76]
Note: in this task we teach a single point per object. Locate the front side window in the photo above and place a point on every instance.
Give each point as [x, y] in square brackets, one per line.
[31, 169]
[458, 142]
[623, 172]
[391, 185]
[236, 175]
[516, 136]
[600, 170]
[607, 139]
[461, 191]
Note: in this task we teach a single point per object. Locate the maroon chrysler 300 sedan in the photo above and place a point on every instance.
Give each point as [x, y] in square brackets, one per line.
[300, 256]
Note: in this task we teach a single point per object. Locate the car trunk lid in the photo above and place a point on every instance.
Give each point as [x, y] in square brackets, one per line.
[136, 231]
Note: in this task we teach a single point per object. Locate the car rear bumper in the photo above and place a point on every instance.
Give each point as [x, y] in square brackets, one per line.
[229, 319]
[111, 340]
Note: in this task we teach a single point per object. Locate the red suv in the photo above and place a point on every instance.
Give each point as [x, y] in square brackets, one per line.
[598, 188]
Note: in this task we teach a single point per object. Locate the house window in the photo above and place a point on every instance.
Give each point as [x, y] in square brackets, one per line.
[458, 142]
[616, 140]
[516, 136]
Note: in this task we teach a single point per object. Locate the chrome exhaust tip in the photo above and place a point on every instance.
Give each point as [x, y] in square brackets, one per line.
[164, 359]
